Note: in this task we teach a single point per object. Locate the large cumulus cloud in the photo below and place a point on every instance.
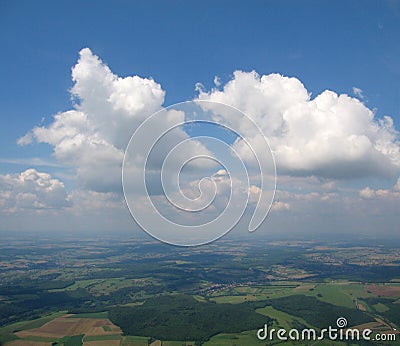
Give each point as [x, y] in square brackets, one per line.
[331, 135]
[93, 135]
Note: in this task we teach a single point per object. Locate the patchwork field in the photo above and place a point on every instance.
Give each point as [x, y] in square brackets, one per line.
[67, 329]
[342, 293]
[63, 326]
[104, 286]
[286, 284]
[95, 329]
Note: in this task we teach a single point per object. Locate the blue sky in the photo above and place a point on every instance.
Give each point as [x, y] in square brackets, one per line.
[327, 45]
[334, 45]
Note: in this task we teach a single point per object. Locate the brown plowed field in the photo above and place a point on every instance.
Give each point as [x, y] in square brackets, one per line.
[63, 326]
[384, 290]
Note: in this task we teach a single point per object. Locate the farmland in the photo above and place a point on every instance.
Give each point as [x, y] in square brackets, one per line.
[72, 292]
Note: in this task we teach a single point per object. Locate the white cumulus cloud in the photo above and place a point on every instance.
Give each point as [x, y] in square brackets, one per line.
[31, 190]
[92, 136]
[331, 135]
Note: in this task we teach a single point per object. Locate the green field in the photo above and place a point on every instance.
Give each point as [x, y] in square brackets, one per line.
[241, 294]
[99, 286]
[333, 294]
[102, 337]
[247, 338]
[283, 320]
[74, 340]
[132, 340]
[380, 307]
